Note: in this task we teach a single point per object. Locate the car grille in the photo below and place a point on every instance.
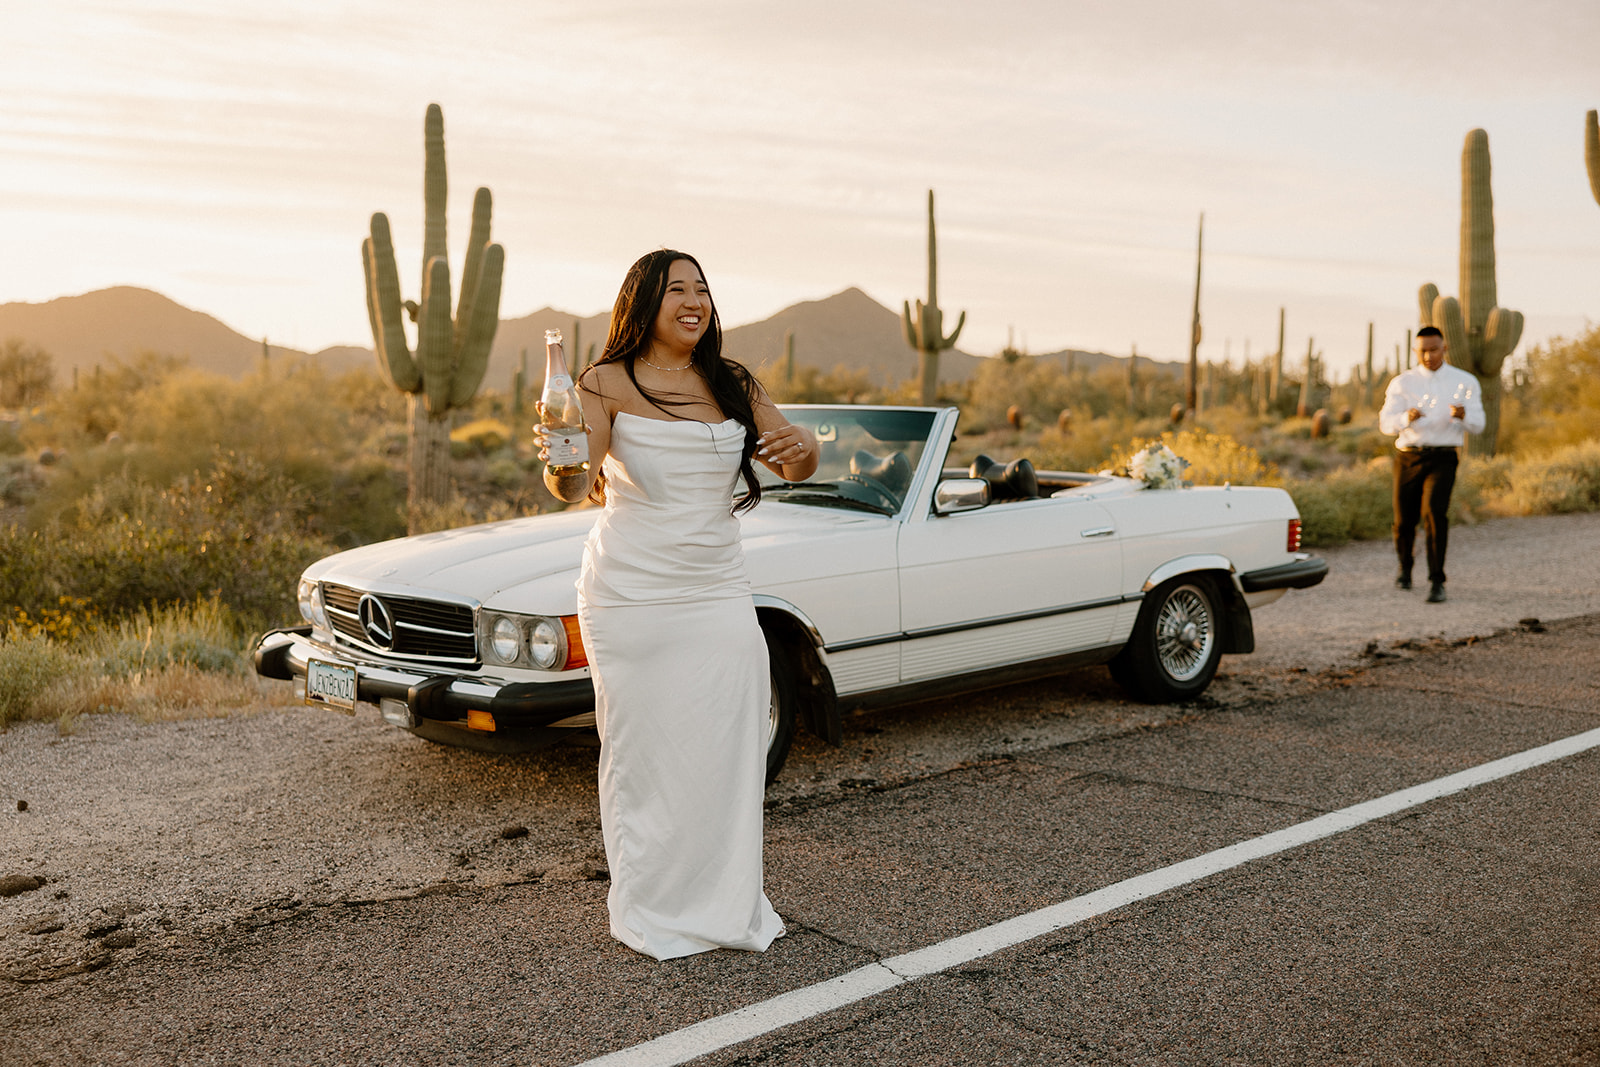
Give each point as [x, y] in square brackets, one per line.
[434, 630]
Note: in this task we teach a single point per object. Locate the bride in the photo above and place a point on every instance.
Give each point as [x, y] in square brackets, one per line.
[678, 660]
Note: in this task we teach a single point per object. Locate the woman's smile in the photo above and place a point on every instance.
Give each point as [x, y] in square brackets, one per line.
[685, 310]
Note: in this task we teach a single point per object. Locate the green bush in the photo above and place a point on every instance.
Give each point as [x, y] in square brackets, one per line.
[1350, 504]
[1564, 480]
[205, 635]
[29, 664]
[235, 536]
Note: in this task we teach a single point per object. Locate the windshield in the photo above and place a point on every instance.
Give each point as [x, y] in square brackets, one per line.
[867, 457]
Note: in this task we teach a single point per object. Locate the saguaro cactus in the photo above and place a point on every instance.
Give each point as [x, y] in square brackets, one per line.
[1133, 380]
[1192, 373]
[925, 333]
[1591, 151]
[1477, 334]
[451, 355]
[1276, 375]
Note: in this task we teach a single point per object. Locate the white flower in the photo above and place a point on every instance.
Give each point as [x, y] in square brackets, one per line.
[1158, 467]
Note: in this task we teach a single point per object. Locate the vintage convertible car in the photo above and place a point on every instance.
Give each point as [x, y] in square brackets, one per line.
[884, 579]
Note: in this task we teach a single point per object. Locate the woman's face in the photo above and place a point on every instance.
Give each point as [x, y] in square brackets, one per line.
[685, 308]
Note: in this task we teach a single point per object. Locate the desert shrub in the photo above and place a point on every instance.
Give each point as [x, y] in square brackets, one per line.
[184, 660]
[174, 424]
[1560, 403]
[1322, 520]
[1216, 458]
[205, 635]
[235, 535]
[481, 436]
[1089, 445]
[1556, 482]
[29, 665]
[10, 436]
[1353, 503]
[841, 385]
[27, 374]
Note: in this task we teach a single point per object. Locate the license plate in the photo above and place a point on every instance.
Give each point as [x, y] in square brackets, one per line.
[331, 685]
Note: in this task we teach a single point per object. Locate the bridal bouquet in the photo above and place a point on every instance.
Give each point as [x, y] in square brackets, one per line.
[1158, 467]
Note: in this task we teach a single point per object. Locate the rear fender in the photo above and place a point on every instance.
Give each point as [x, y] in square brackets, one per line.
[1236, 630]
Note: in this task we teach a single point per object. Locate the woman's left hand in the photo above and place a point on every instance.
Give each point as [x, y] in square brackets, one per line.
[785, 445]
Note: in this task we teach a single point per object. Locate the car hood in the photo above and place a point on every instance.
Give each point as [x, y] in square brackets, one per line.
[530, 564]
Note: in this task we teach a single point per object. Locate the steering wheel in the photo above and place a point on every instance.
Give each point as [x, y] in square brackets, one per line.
[881, 494]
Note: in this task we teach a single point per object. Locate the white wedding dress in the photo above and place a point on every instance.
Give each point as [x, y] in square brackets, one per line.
[681, 692]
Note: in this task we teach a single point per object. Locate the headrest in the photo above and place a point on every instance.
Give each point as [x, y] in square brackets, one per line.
[1011, 481]
[893, 470]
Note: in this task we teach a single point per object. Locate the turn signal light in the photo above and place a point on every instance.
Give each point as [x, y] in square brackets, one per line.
[1294, 535]
[576, 656]
[479, 720]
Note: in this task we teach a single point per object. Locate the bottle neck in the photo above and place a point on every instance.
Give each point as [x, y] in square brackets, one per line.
[555, 363]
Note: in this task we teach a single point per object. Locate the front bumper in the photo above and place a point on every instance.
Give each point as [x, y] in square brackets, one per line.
[444, 697]
[1303, 573]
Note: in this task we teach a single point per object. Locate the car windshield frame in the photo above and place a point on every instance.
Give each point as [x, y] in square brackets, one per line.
[869, 456]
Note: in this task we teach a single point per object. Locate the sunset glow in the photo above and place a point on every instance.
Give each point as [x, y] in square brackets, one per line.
[229, 156]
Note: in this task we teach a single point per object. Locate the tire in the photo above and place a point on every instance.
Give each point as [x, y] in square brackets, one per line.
[785, 702]
[1176, 643]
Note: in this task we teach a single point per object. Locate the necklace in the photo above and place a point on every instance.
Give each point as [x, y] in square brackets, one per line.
[658, 366]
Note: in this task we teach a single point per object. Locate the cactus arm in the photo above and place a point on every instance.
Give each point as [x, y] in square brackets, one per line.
[435, 186]
[472, 264]
[950, 342]
[473, 361]
[434, 339]
[1447, 317]
[1500, 337]
[1427, 296]
[1591, 151]
[383, 297]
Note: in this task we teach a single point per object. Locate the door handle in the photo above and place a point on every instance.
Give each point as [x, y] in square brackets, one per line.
[1098, 531]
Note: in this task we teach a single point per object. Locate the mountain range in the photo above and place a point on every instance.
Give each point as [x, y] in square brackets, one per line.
[848, 328]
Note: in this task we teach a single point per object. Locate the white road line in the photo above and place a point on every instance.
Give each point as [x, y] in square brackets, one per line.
[764, 1017]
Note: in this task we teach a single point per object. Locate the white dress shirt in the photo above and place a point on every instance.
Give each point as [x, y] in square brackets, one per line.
[1432, 392]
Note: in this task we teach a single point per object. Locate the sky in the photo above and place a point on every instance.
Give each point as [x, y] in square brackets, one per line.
[230, 155]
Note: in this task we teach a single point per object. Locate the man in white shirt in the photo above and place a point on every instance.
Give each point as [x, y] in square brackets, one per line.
[1429, 409]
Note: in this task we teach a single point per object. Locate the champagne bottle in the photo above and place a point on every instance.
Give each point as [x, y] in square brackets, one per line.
[561, 412]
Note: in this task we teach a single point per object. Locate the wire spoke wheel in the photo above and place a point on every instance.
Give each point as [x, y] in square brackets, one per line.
[1185, 633]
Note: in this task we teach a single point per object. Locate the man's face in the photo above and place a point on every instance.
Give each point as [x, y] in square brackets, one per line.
[1430, 352]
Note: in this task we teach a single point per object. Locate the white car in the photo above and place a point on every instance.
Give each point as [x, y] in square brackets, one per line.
[885, 579]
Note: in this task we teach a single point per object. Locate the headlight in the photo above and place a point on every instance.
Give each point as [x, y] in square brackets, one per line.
[547, 644]
[505, 639]
[309, 596]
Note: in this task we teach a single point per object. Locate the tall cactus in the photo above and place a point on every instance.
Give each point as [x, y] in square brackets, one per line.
[1191, 382]
[1477, 334]
[451, 354]
[1591, 151]
[788, 359]
[1276, 375]
[925, 333]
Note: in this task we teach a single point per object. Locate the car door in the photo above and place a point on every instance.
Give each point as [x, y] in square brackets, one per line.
[1011, 582]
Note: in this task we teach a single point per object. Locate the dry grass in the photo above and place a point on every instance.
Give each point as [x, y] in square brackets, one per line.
[176, 663]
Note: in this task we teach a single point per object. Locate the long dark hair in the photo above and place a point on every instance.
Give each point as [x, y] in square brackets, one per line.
[633, 319]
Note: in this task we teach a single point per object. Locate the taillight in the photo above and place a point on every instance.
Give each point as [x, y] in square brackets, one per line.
[1294, 535]
[576, 656]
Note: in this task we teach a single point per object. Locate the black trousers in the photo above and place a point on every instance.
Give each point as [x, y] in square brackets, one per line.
[1422, 483]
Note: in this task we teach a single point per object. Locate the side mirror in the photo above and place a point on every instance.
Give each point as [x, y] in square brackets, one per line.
[956, 495]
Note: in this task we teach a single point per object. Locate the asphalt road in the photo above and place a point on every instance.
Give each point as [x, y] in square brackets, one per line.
[297, 887]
